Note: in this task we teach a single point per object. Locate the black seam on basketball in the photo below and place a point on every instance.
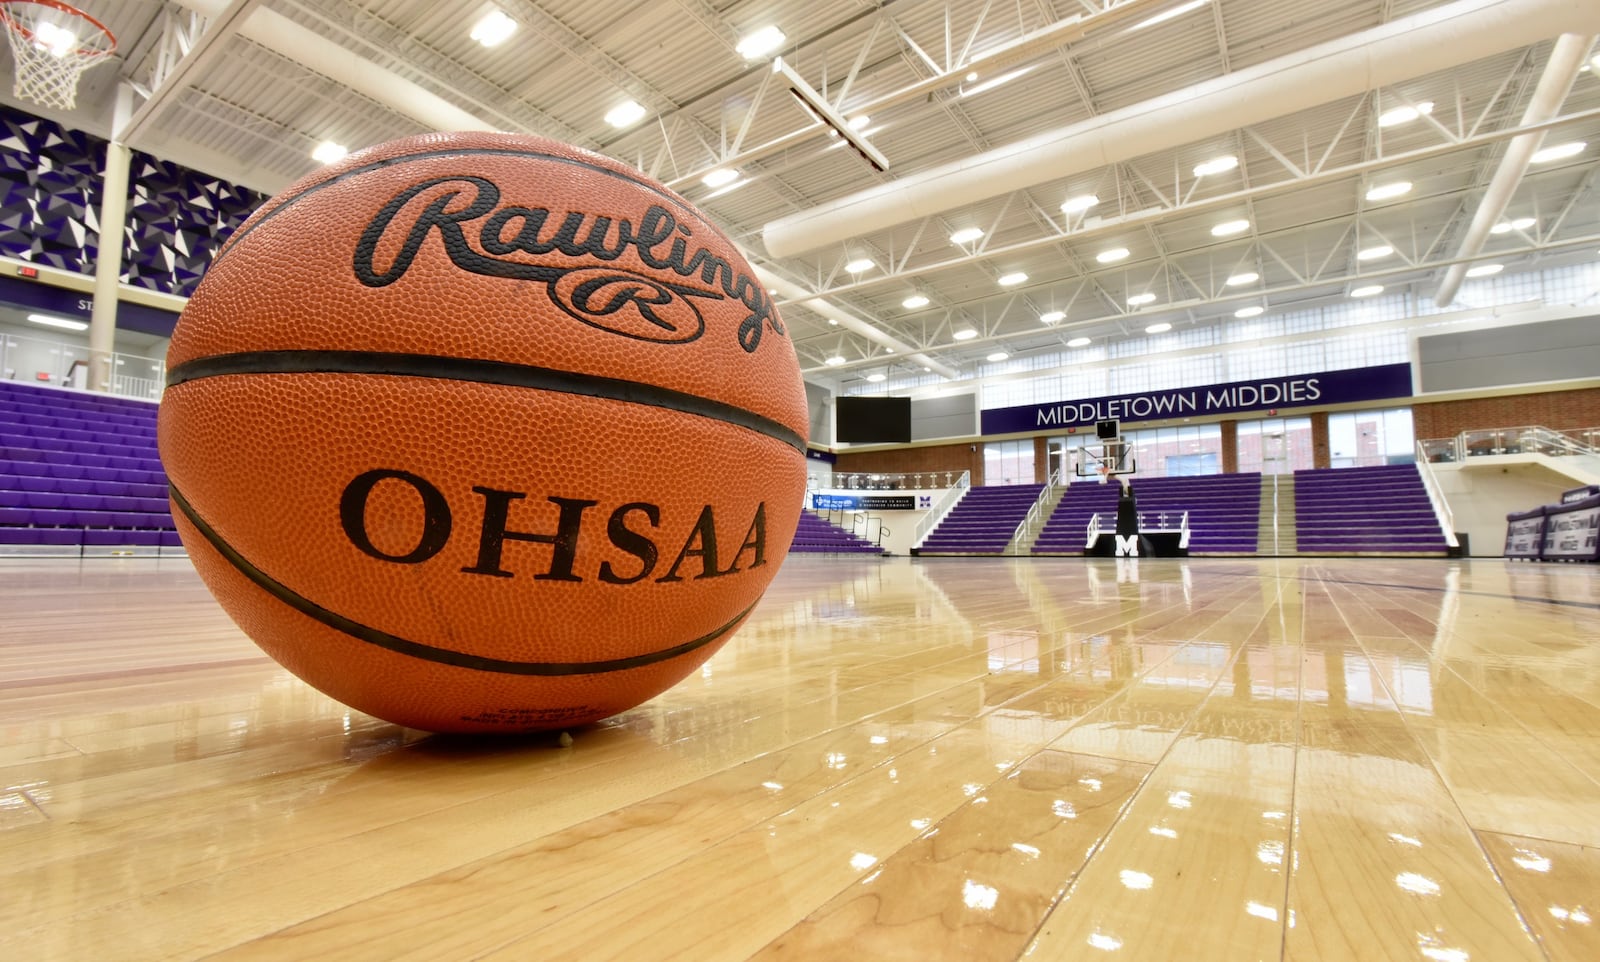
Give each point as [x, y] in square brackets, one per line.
[416, 649]
[238, 237]
[482, 372]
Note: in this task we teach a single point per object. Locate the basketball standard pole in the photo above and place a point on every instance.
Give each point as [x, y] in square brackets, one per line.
[108, 259]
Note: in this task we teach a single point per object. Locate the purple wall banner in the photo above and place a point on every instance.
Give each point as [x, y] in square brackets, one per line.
[1300, 390]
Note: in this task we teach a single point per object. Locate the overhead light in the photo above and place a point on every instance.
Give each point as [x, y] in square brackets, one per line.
[1230, 227]
[1386, 191]
[328, 152]
[1239, 280]
[914, 301]
[1112, 256]
[1373, 253]
[1051, 317]
[721, 177]
[1138, 299]
[1078, 342]
[61, 322]
[758, 43]
[1160, 328]
[998, 356]
[1078, 204]
[860, 265]
[1404, 114]
[1252, 311]
[966, 235]
[625, 114]
[1367, 291]
[994, 82]
[859, 122]
[1166, 15]
[493, 28]
[875, 378]
[1507, 226]
[834, 361]
[1216, 165]
[1012, 279]
[1558, 152]
[59, 41]
[1485, 270]
[965, 334]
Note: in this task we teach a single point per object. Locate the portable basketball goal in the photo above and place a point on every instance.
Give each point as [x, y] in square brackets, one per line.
[53, 43]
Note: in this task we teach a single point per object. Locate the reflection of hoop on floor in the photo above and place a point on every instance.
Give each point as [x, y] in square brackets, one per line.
[53, 43]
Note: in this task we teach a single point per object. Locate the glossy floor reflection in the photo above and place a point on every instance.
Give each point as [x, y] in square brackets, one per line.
[946, 759]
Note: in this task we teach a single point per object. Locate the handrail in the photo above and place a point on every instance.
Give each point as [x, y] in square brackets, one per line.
[1094, 531]
[1441, 507]
[1035, 512]
[941, 508]
[131, 375]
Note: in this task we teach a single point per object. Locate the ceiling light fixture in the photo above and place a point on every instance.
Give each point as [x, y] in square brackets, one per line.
[1051, 317]
[1558, 152]
[1139, 299]
[998, 356]
[1161, 328]
[1253, 311]
[1239, 280]
[875, 378]
[721, 177]
[1112, 256]
[329, 152]
[1012, 279]
[860, 265]
[625, 114]
[1078, 204]
[1523, 223]
[1373, 253]
[966, 235]
[994, 82]
[859, 122]
[61, 322]
[1387, 191]
[1230, 227]
[1216, 165]
[493, 28]
[1078, 342]
[834, 361]
[965, 334]
[1404, 114]
[914, 301]
[758, 43]
[1367, 291]
[1485, 270]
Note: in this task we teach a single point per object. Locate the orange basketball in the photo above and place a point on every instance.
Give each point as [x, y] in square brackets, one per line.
[482, 432]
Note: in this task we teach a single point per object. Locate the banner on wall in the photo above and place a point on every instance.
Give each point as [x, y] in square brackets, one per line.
[821, 501]
[1301, 390]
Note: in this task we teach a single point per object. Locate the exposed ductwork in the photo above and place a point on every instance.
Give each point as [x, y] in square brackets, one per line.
[791, 291]
[305, 46]
[1409, 47]
[1566, 60]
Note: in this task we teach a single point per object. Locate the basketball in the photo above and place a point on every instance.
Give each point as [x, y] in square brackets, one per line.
[484, 433]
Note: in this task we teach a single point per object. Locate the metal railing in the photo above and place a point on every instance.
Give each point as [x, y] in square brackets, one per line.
[942, 507]
[1441, 507]
[62, 364]
[1036, 516]
[877, 481]
[1527, 439]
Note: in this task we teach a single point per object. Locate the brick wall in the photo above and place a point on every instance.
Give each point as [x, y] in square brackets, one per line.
[1559, 410]
[956, 458]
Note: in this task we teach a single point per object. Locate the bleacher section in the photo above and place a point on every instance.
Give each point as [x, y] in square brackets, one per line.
[1380, 510]
[1068, 526]
[816, 535]
[80, 471]
[983, 521]
[1224, 509]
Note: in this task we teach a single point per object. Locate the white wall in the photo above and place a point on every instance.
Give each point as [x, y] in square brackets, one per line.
[1481, 495]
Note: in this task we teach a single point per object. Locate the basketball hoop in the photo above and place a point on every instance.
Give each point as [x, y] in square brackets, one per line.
[53, 43]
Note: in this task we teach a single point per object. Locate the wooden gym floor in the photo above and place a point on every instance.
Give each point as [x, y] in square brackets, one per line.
[940, 759]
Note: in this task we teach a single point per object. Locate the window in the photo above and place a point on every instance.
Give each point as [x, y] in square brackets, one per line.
[1362, 438]
[1008, 462]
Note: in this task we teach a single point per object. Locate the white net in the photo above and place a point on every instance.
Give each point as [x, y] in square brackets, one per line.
[53, 44]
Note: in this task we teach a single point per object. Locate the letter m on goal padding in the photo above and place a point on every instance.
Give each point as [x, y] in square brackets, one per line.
[1127, 545]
